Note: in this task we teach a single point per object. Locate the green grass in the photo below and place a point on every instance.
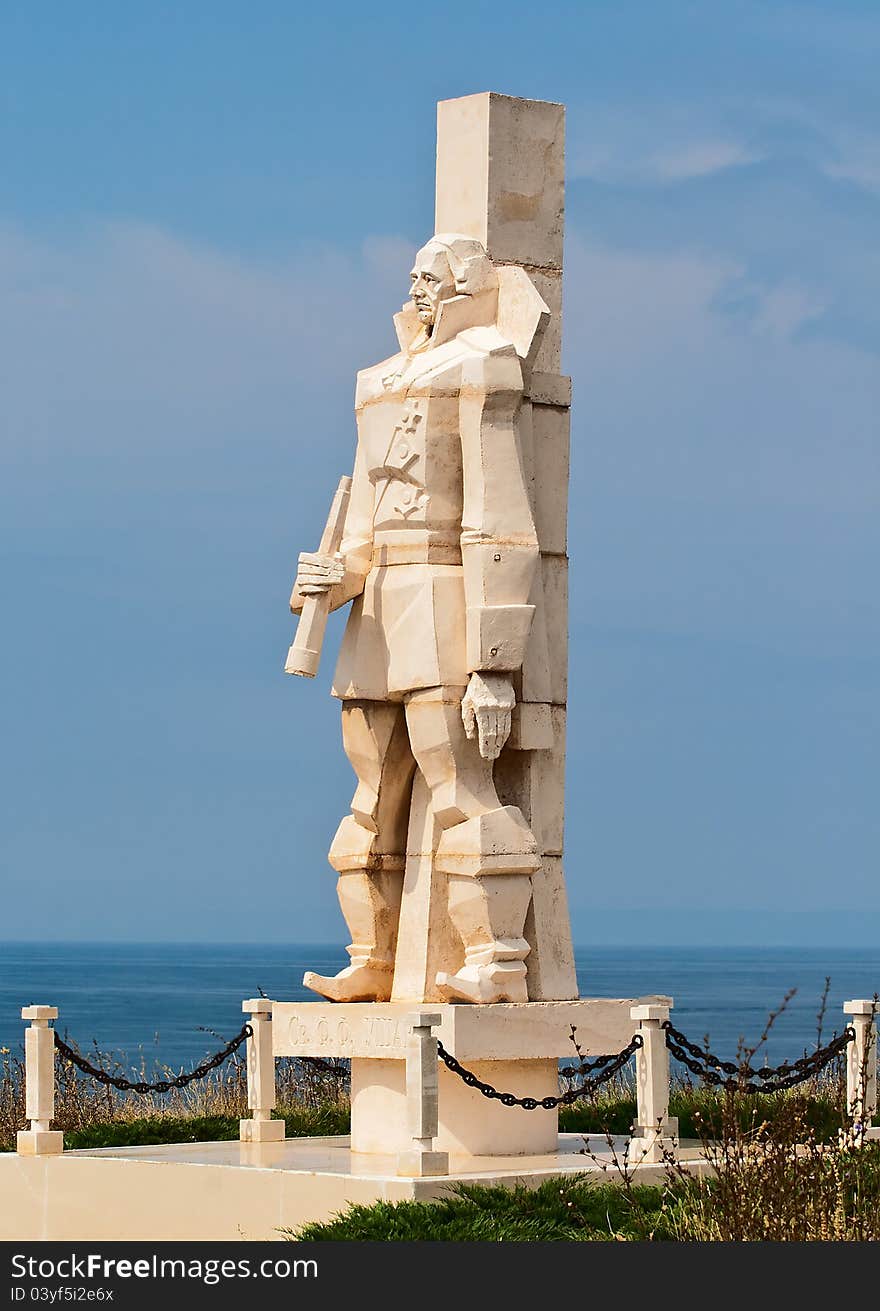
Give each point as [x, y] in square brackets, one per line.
[560, 1210]
[763, 1191]
[300, 1123]
[154, 1129]
[615, 1115]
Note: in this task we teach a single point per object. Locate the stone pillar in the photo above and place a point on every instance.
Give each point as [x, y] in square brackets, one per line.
[500, 179]
[654, 1131]
[39, 1059]
[861, 1063]
[422, 1100]
[260, 1128]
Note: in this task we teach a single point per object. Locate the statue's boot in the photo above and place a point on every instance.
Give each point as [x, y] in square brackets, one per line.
[489, 860]
[362, 980]
[369, 891]
[483, 984]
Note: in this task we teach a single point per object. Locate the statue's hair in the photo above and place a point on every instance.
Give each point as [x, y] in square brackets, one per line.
[468, 262]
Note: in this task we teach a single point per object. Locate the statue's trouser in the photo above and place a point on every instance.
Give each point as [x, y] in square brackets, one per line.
[486, 850]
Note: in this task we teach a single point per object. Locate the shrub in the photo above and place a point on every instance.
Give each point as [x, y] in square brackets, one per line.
[559, 1210]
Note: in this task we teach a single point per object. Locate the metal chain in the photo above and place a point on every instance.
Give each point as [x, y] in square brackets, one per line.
[326, 1067]
[613, 1064]
[746, 1070]
[585, 1067]
[703, 1064]
[162, 1085]
[712, 1071]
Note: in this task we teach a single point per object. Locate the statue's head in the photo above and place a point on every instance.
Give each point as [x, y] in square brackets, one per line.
[449, 265]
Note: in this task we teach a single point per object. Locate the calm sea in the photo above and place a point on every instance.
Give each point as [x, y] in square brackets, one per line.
[173, 1003]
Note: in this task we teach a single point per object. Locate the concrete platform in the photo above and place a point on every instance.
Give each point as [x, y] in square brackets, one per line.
[245, 1191]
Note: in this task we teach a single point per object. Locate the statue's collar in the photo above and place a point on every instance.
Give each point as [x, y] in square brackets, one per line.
[454, 316]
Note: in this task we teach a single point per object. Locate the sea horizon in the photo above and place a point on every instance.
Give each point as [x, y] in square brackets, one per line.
[170, 1003]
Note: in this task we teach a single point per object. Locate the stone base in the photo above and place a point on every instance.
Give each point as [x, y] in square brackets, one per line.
[261, 1131]
[470, 1124]
[503, 1031]
[249, 1191]
[39, 1142]
[422, 1165]
[514, 1046]
[654, 1146]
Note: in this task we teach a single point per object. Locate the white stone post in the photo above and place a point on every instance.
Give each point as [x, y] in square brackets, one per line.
[654, 1132]
[861, 1065]
[422, 1100]
[39, 1063]
[260, 1128]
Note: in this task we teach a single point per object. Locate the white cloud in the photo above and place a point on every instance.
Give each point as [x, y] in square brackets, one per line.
[661, 143]
[835, 143]
[676, 161]
[130, 338]
[657, 143]
[858, 162]
[701, 158]
[129, 333]
[783, 310]
[695, 401]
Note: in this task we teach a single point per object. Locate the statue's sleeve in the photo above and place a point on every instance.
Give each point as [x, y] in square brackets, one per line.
[357, 540]
[499, 545]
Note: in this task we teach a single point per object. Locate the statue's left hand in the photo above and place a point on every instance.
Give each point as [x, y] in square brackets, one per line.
[486, 710]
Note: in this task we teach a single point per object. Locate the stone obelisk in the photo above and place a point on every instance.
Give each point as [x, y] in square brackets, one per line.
[500, 180]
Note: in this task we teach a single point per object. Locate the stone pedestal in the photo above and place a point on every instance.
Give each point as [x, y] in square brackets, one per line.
[515, 1047]
[469, 1123]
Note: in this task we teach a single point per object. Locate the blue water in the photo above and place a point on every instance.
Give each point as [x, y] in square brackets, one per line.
[167, 1003]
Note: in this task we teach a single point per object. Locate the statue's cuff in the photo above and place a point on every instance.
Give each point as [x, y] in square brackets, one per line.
[497, 636]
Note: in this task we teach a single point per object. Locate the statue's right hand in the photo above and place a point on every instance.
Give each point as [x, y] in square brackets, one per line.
[318, 573]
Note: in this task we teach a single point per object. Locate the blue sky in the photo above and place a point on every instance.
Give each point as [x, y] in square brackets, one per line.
[206, 217]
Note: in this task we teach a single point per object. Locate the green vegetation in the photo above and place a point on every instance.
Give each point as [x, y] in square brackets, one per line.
[768, 1189]
[560, 1210]
[154, 1129]
[313, 1101]
[300, 1121]
[700, 1110]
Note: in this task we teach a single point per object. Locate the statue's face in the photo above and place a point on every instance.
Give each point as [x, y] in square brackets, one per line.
[432, 283]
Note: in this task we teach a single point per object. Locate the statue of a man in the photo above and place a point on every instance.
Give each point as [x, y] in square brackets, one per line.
[438, 556]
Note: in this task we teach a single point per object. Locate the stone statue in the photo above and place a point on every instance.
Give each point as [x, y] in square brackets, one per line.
[438, 556]
[450, 542]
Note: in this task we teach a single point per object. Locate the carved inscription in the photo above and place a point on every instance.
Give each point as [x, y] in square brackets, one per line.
[384, 1032]
[320, 1033]
[312, 1036]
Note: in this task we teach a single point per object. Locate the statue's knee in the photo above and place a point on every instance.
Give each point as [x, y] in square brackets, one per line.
[352, 846]
[365, 806]
[497, 842]
[355, 847]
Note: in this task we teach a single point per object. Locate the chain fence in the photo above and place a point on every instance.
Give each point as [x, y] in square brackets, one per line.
[707, 1067]
[742, 1077]
[591, 1074]
[161, 1085]
[608, 1065]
